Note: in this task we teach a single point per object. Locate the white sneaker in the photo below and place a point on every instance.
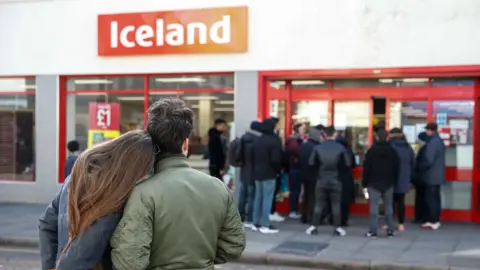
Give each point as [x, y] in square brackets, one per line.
[269, 230]
[312, 230]
[277, 218]
[294, 215]
[255, 228]
[435, 226]
[340, 231]
[248, 225]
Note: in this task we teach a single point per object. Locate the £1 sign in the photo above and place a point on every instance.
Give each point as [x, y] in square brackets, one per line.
[104, 116]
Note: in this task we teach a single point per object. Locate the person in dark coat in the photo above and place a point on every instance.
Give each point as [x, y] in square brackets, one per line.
[292, 150]
[247, 187]
[216, 149]
[308, 173]
[420, 187]
[407, 161]
[73, 153]
[381, 169]
[348, 182]
[433, 167]
[267, 157]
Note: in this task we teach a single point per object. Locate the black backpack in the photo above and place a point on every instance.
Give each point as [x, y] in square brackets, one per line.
[235, 152]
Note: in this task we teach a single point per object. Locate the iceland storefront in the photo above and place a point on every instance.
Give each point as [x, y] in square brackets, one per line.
[87, 70]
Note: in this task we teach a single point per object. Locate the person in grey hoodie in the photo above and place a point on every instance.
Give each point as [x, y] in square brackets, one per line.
[407, 162]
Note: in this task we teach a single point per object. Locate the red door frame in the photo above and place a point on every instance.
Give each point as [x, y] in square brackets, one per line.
[425, 93]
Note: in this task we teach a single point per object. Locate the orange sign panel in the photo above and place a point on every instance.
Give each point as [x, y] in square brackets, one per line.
[212, 30]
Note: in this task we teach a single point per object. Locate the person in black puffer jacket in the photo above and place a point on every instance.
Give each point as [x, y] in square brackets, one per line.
[380, 175]
[247, 187]
[267, 157]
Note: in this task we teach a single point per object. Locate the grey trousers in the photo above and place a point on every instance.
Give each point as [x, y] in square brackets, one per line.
[324, 196]
[387, 198]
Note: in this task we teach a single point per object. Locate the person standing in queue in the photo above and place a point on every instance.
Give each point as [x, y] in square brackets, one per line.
[267, 157]
[380, 175]
[247, 187]
[308, 173]
[420, 207]
[292, 149]
[216, 149]
[433, 164]
[348, 182]
[327, 158]
[407, 161]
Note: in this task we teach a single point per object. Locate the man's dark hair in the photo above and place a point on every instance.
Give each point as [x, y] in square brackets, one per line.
[170, 123]
[330, 131]
[73, 146]
[432, 126]
[296, 128]
[382, 135]
[396, 131]
[219, 121]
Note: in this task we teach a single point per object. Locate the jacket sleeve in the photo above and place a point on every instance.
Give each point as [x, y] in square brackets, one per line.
[397, 164]
[48, 233]
[276, 155]
[313, 160]
[347, 158]
[366, 169]
[429, 155]
[132, 238]
[231, 241]
[87, 250]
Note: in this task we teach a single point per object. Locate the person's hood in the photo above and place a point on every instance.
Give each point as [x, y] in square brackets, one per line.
[214, 132]
[256, 125]
[342, 140]
[314, 134]
[400, 143]
[382, 148]
[268, 125]
[255, 130]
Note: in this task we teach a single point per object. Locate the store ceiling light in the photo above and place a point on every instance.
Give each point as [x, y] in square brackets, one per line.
[229, 92]
[162, 93]
[225, 102]
[180, 79]
[415, 80]
[386, 80]
[223, 109]
[200, 98]
[300, 82]
[131, 98]
[93, 81]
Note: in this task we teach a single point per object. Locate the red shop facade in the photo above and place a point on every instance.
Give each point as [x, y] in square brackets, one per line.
[355, 100]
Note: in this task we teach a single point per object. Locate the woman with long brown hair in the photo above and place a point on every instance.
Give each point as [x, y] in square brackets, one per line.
[94, 195]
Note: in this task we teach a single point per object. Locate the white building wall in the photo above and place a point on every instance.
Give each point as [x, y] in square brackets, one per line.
[60, 37]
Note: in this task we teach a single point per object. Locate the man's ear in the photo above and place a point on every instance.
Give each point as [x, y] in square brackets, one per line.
[185, 146]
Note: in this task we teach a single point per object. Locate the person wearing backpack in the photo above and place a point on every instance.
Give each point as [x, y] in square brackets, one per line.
[247, 186]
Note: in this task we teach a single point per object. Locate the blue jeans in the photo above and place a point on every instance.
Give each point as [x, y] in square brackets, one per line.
[374, 202]
[295, 189]
[245, 201]
[264, 191]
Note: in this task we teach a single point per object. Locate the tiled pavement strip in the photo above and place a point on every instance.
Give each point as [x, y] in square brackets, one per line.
[452, 247]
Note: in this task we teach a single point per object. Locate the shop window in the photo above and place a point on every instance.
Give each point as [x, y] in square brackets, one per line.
[352, 120]
[377, 83]
[453, 82]
[105, 83]
[457, 195]
[455, 122]
[191, 82]
[280, 85]
[92, 118]
[17, 129]
[311, 112]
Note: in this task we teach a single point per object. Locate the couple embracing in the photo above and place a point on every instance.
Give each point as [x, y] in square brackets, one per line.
[134, 203]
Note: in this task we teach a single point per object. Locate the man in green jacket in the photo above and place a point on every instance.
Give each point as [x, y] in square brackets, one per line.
[179, 218]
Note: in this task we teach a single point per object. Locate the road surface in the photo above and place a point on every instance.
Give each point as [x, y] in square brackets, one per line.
[28, 259]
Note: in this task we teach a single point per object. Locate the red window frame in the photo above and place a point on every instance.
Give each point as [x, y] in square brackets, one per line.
[145, 91]
[17, 92]
[418, 93]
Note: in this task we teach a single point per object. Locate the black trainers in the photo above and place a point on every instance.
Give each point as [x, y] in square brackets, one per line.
[371, 235]
[390, 233]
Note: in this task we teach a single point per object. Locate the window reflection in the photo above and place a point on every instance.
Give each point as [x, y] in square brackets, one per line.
[106, 83]
[17, 135]
[455, 121]
[311, 112]
[17, 85]
[352, 120]
[452, 81]
[191, 82]
[376, 83]
[411, 117]
[277, 109]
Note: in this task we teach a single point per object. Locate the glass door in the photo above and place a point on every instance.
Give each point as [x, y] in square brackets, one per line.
[277, 109]
[311, 112]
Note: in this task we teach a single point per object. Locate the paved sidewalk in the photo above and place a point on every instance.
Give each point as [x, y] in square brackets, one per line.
[454, 246]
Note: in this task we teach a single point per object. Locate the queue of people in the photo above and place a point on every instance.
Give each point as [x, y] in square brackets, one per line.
[319, 162]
